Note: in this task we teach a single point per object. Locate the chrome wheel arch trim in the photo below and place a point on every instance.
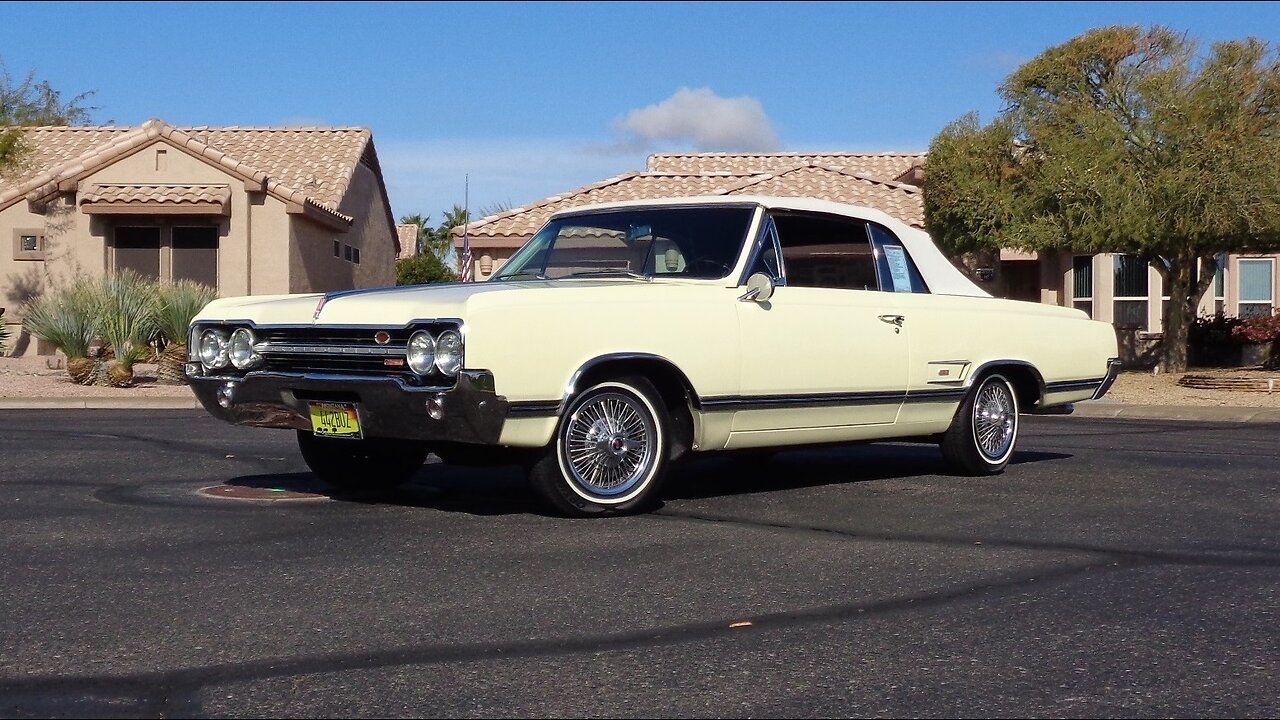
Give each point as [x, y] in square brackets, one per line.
[571, 388]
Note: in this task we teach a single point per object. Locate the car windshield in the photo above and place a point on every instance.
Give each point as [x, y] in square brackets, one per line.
[686, 242]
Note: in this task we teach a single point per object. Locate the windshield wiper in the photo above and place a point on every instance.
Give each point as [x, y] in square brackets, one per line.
[529, 273]
[610, 271]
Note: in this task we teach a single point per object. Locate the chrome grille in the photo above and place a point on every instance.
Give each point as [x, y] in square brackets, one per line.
[336, 350]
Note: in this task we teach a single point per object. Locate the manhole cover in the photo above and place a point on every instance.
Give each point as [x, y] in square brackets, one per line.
[245, 492]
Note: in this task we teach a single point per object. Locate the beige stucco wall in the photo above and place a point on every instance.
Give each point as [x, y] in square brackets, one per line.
[312, 265]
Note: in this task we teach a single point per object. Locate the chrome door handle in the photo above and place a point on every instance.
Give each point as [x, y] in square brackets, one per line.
[893, 319]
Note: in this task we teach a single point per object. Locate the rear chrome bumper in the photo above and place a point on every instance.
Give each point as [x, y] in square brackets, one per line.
[469, 412]
[1113, 369]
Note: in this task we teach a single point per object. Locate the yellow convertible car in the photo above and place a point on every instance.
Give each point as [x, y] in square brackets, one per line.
[625, 336]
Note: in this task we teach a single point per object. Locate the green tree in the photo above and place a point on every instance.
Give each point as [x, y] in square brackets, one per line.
[1122, 140]
[439, 240]
[28, 103]
[422, 269]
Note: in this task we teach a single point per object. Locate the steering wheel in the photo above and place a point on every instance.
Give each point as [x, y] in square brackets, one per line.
[721, 269]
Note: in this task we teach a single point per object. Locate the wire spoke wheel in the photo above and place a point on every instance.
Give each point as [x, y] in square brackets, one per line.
[609, 444]
[995, 420]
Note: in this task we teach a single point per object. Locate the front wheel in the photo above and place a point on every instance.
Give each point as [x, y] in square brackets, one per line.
[984, 431]
[365, 464]
[609, 452]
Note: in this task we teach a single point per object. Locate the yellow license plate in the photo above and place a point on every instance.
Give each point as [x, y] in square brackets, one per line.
[335, 420]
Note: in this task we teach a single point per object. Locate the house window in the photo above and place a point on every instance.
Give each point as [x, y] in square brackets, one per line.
[337, 249]
[1257, 285]
[355, 255]
[28, 245]
[1082, 283]
[195, 255]
[1130, 292]
[1220, 286]
[137, 249]
[346, 252]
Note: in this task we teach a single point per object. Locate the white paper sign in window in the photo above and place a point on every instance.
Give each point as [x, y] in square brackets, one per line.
[898, 268]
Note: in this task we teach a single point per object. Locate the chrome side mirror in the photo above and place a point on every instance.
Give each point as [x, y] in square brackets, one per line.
[759, 288]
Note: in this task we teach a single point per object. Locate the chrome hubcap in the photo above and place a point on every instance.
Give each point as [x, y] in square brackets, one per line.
[995, 420]
[608, 446]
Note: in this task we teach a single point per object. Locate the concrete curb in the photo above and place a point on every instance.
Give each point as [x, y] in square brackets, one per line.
[100, 403]
[1188, 413]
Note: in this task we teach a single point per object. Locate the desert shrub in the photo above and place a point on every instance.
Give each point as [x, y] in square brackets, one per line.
[1257, 329]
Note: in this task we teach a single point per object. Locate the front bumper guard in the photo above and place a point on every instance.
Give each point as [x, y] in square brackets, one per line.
[469, 412]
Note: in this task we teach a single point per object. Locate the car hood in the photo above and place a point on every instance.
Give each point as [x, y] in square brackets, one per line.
[396, 306]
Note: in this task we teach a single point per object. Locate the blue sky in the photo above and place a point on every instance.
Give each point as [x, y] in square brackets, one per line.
[532, 99]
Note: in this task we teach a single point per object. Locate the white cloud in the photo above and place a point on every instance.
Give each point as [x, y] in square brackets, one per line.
[429, 176]
[700, 118]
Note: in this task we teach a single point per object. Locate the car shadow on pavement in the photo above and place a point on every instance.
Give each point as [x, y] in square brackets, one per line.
[476, 491]
[766, 471]
[503, 490]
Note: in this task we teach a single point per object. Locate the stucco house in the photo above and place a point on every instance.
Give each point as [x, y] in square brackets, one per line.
[1114, 288]
[248, 211]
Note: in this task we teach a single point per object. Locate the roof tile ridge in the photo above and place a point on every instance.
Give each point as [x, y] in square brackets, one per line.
[555, 198]
[47, 182]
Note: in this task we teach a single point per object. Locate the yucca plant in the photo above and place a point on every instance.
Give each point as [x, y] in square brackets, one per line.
[67, 319]
[126, 319]
[4, 334]
[176, 306]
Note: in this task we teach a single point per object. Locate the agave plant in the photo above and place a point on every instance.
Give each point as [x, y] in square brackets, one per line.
[176, 305]
[67, 319]
[126, 319]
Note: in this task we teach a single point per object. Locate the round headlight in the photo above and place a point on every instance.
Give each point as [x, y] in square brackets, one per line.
[449, 352]
[421, 352]
[241, 349]
[213, 349]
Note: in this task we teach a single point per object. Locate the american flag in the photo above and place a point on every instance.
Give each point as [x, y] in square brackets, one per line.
[465, 275]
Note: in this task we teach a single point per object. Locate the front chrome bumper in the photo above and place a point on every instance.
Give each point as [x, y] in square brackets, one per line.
[469, 412]
[1113, 369]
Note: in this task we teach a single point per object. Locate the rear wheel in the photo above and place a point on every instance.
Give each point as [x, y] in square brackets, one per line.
[984, 431]
[366, 464]
[609, 452]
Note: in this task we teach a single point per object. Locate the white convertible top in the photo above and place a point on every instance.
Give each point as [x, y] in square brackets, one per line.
[939, 274]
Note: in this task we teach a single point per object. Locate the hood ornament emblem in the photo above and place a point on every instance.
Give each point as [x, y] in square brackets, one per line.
[319, 307]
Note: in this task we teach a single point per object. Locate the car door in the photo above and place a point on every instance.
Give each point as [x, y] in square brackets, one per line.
[827, 349]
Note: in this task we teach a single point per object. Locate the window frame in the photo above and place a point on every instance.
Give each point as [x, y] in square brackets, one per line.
[1145, 298]
[1270, 303]
[26, 255]
[1089, 298]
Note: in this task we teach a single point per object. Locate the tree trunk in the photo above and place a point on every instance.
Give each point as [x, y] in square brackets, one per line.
[1185, 292]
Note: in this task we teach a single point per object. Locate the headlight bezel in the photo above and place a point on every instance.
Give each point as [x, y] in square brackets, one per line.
[247, 340]
[453, 365]
[425, 365]
[221, 360]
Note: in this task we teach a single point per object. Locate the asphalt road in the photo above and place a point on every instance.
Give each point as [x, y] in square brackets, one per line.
[1117, 568]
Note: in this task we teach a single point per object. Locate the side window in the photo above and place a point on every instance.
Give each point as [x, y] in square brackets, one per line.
[898, 273]
[823, 251]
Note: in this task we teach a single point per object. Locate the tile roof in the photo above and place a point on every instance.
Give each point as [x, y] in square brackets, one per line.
[884, 165]
[799, 180]
[307, 166]
[157, 194]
